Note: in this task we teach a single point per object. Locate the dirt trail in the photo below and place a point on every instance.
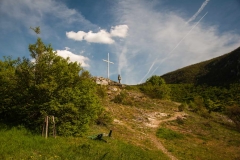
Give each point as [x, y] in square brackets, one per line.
[159, 146]
[138, 125]
[156, 141]
[152, 124]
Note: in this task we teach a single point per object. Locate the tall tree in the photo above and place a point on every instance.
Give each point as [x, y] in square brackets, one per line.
[51, 85]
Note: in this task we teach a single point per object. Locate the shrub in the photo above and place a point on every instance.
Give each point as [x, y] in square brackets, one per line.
[104, 118]
[120, 97]
[180, 120]
[101, 91]
[233, 112]
[156, 87]
[182, 107]
[123, 98]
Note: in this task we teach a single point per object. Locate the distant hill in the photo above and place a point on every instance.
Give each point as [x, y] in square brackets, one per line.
[222, 70]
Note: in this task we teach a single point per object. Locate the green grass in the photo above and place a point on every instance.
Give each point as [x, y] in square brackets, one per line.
[18, 143]
[168, 134]
[203, 139]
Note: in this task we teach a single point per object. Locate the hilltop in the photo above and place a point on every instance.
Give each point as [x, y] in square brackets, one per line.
[222, 70]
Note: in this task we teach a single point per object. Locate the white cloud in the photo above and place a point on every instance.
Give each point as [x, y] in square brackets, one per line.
[100, 37]
[73, 57]
[153, 35]
[76, 36]
[119, 31]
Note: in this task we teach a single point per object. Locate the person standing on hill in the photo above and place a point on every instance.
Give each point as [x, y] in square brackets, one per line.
[119, 78]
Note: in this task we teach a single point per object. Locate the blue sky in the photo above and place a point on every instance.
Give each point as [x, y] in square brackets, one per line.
[143, 37]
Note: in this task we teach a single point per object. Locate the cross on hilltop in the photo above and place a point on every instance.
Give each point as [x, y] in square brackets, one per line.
[108, 64]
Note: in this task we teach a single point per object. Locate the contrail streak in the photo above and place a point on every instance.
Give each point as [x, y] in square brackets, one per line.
[199, 11]
[171, 50]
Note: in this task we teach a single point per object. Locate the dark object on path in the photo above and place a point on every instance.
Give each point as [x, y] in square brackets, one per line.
[100, 137]
[110, 133]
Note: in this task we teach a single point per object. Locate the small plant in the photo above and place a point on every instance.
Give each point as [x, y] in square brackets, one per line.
[104, 118]
[233, 112]
[120, 97]
[180, 120]
[123, 98]
[101, 91]
[182, 107]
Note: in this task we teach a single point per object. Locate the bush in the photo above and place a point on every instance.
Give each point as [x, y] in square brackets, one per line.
[233, 112]
[123, 98]
[101, 91]
[180, 120]
[182, 107]
[156, 87]
[104, 118]
[120, 97]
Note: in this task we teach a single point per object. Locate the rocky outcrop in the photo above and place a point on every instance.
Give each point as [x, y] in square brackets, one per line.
[105, 82]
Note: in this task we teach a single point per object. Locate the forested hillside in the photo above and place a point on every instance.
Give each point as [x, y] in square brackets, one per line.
[223, 70]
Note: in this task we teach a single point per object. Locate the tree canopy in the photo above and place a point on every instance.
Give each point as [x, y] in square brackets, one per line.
[47, 84]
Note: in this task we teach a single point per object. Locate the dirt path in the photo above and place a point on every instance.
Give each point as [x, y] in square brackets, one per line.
[156, 141]
[152, 124]
[159, 146]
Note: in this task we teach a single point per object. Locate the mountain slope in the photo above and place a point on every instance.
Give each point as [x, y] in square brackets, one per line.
[222, 70]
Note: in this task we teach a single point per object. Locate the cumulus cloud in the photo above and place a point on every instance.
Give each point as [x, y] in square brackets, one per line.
[119, 31]
[73, 57]
[100, 37]
[76, 36]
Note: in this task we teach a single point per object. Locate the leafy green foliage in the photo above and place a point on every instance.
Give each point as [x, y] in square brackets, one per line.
[101, 91]
[155, 81]
[182, 107]
[123, 98]
[105, 118]
[214, 98]
[48, 85]
[213, 106]
[233, 113]
[156, 87]
[7, 84]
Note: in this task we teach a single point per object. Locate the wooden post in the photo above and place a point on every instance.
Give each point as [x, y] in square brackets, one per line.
[110, 133]
[43, 128]
[54, 127]
[46, 134]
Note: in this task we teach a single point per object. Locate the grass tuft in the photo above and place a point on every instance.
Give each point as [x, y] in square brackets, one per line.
[168, 134]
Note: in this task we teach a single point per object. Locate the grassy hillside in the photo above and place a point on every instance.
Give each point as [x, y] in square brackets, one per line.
[221, 70]
[143, 128]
